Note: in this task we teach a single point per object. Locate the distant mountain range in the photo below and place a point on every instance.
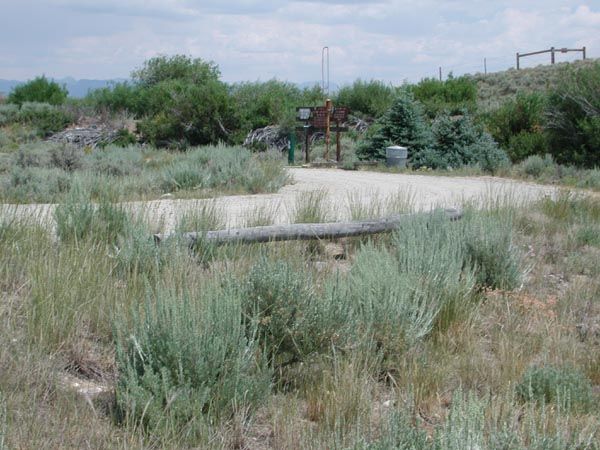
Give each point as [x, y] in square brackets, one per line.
[76, 88]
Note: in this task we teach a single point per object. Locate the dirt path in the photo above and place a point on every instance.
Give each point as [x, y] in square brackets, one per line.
[340, 187]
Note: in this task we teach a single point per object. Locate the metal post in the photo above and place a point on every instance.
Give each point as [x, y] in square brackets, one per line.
[551, 55]
[440, 74]
[518, 61]
[485, 66]
[327, 128]
[583, 52]
[338, 144]
[292, 150]
[306, 144]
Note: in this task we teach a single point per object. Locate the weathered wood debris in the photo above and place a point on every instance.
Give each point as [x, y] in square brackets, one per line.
[273, 138]
[86, 137]
[299, 231]
[269, 138]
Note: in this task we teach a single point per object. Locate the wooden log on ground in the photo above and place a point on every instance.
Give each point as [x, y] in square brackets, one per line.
[300, 231]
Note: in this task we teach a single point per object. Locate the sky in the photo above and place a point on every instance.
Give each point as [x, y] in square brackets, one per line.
[389, 40]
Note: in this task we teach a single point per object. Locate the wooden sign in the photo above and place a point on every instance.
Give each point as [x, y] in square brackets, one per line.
[340, 114]
[319, 117]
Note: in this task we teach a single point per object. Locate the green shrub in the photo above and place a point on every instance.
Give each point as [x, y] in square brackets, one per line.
[45, 118]
[115, 161]
[367, 98]
[396, 298]
[453, 95]
[186, 356]
[284, 309]
[38, 184]
[460, 142]
[574, 117]
[9, 113]
[259, 104]
[525, 144]
[564, 386]
[518, 126]
[403, 124]
[40, 90]
[66, 157]
[536, 165]
[117, 98]
[33, 155]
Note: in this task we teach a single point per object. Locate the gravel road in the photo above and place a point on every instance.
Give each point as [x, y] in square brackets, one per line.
[339, 187]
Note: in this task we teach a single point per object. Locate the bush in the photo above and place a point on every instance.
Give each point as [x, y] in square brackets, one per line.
[518, 126]
[564, 386]
[221, 167]
[186, 356]
[403, 124]
[536, 165]
[35, 184]
[459, 142]
[453, 95]
[574, 117]
[45, 118]
[273, 102]
[115, 161]
[366, 98]
[39, 90]
[284, 309]
[66, 157]
[9, 113]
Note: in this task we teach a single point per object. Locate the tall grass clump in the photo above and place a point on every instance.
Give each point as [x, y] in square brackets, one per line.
[491, 252]
[77, 222]
[187, 356]
[566, 387]
[310, 207]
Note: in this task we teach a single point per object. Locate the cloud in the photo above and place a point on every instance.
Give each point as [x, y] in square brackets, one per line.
[386, 39]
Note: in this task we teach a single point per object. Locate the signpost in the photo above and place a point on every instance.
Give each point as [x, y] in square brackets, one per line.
[320, 118]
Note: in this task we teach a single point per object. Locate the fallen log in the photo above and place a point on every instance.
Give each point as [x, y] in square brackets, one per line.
[299, 231]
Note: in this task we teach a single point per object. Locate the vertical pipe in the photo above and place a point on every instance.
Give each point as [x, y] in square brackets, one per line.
[518, 61]
[292, 150]
[551, 55]
[338, 144]
[306, 144]
[440, 74]
[324, 66]
[485, 66]
[328, 108]
[583, 52]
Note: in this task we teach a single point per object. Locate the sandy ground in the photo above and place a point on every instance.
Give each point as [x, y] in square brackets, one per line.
[340, 187]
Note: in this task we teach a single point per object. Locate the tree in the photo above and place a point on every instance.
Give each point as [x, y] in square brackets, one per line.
[370, 98]
[39, 90]
[403, 124]
[183, 102]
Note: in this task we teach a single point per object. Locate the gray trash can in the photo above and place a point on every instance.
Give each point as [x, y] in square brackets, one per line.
[396, 156]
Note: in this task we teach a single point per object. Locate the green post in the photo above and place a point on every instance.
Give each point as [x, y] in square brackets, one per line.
[292, 148]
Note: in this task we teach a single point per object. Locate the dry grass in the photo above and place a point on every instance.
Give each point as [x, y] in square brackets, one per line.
[456, 386]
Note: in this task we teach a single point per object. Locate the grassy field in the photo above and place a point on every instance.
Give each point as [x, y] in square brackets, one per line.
[480, 333]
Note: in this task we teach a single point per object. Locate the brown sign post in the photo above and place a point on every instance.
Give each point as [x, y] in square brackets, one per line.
[319, 118]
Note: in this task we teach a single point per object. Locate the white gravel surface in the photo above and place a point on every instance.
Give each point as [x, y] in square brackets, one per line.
[339, 185]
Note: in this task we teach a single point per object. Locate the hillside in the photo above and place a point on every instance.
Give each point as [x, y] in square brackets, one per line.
[494, 88]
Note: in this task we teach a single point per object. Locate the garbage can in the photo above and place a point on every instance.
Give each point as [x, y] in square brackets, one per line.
[396, 156]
